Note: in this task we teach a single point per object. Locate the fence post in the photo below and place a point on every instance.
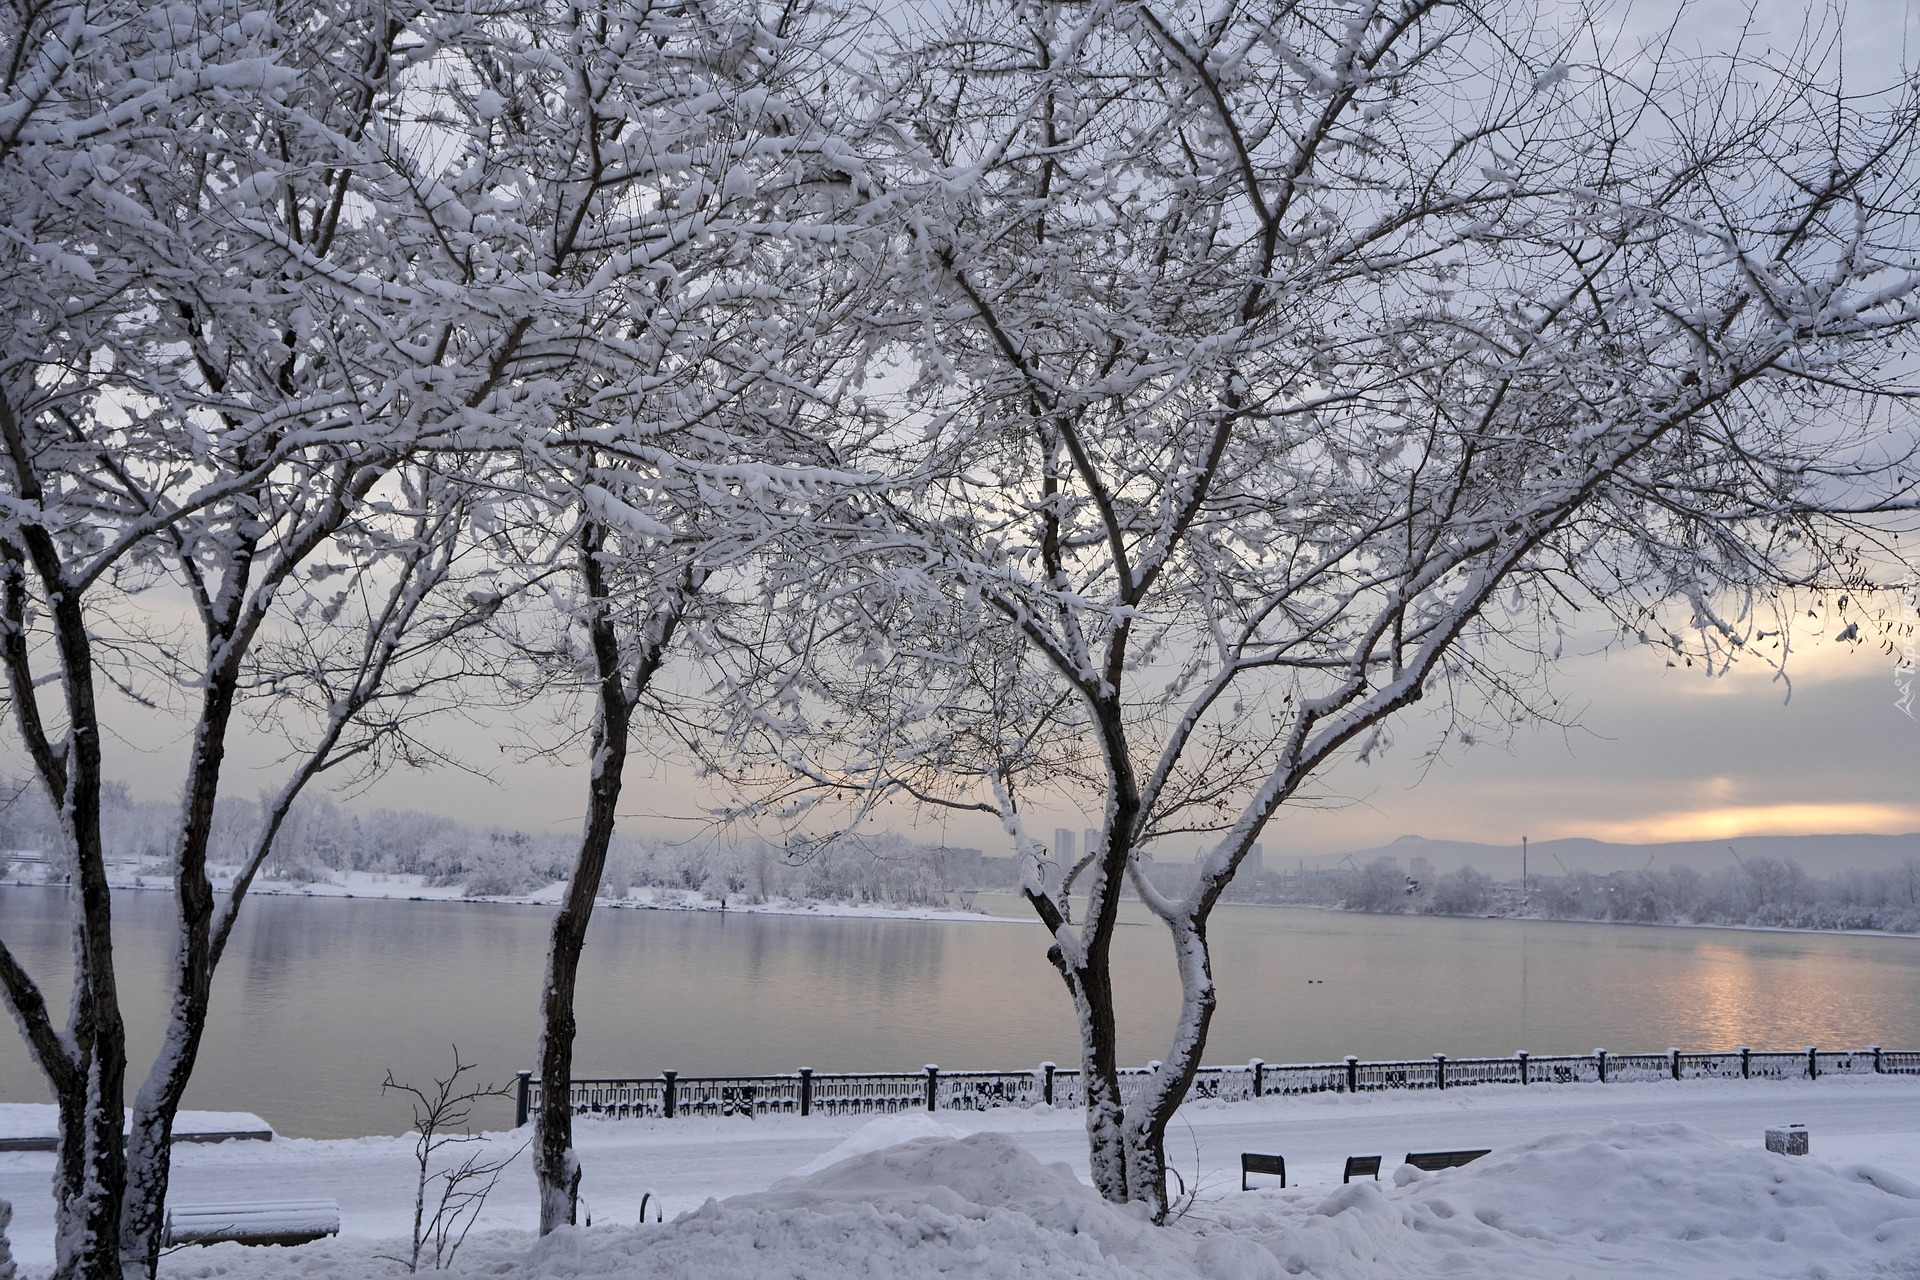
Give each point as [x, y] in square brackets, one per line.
[933, 1086]
[1746, 1063]
[1876, 1061]
[1522, 1055]
[1256, 1066]
[1046, 1088]
[525, 1086]
[1353, 1074]
[1813, 1063]
[667, 1094]
[1440, 1070]
[1673, 1062]
[1600, 1056]
[806, 1091]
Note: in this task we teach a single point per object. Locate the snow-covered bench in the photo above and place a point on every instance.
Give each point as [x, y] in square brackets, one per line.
[1360, 1167]
[1433, 1161]
[258, 1222]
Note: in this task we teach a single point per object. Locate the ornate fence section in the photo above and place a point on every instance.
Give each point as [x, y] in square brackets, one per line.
[848, 1093]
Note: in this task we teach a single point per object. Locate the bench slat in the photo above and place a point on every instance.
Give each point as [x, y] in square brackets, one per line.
[1433, 1161]
[255, 1206]
[257, 1222]
[1360, 1167]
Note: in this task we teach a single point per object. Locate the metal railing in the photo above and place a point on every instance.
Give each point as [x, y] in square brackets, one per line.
[806, 1091]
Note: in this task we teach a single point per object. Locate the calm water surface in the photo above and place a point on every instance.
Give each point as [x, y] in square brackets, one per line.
[318, 997]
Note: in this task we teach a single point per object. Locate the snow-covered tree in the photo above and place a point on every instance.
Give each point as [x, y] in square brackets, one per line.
[672, 176]
[212, 416]
[1298, 362]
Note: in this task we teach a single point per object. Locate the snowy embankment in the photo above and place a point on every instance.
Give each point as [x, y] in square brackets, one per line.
[27, 1125]
[414, 888]
[1642, 1180]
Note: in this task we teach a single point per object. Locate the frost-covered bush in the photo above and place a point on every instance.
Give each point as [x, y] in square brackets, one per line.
[1756, 891]
[1465, 892]
[1379, 886]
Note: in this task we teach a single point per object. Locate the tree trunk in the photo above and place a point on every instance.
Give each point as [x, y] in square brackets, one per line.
[91, 1166]
[556, 1167]
[1107, 1147]
[150, 1131]
[90, 1170]
[1153, 1110]
[1085, 963]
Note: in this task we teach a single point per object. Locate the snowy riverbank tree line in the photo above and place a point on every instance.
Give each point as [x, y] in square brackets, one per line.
[1775, 893]
[1764, 892]
[319, 840]
[1135, 403]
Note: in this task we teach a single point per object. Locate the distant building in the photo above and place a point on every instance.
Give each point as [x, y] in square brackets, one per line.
[1254, 863]
[1090, 839]
[1063, 845]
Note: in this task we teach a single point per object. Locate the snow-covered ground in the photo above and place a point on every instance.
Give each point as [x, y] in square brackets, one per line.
[414, 888]
[27, 1121]
[1640, 1180]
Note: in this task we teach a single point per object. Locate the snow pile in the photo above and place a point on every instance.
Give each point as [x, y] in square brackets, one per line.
[1631, 1201]
[933, 1207]
[1634, 1200]
[877, 1135]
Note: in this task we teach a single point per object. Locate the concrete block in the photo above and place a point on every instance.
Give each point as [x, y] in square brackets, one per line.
[1787, 1139]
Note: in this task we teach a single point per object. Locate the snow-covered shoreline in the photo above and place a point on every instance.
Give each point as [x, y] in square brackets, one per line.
[1591, 1181]
[1335, 909]
[403, 887]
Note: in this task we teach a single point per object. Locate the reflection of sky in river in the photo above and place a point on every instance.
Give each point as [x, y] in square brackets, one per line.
[321, 996]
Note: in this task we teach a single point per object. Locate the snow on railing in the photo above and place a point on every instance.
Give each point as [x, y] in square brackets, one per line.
[1638, 1067]
[933, 1089]
[1777, 1066]
[1709, 1066]
[988, 1090]
[1564, 1069]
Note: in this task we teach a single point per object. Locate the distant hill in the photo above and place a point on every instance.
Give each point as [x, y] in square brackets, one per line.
[1818, 855]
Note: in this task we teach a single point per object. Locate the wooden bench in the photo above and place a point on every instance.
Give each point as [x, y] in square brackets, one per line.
[1361, 1167]
[258, 1222]
[1255, 1162]
[1432, 1161]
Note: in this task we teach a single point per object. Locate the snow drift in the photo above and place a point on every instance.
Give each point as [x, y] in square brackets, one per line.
[1629, 1201]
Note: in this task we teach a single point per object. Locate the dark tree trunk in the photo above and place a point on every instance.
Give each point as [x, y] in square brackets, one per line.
[87, 1068]
[1087, 966]
[621, 679]
[150, 1135]
[556, 1166]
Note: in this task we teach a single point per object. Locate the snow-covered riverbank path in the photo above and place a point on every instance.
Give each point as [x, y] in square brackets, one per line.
[1872, 1121]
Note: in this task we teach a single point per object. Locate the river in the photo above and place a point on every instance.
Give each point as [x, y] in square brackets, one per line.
[318, 997]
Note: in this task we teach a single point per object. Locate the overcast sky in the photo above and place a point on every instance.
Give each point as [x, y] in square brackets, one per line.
[1661, 753]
